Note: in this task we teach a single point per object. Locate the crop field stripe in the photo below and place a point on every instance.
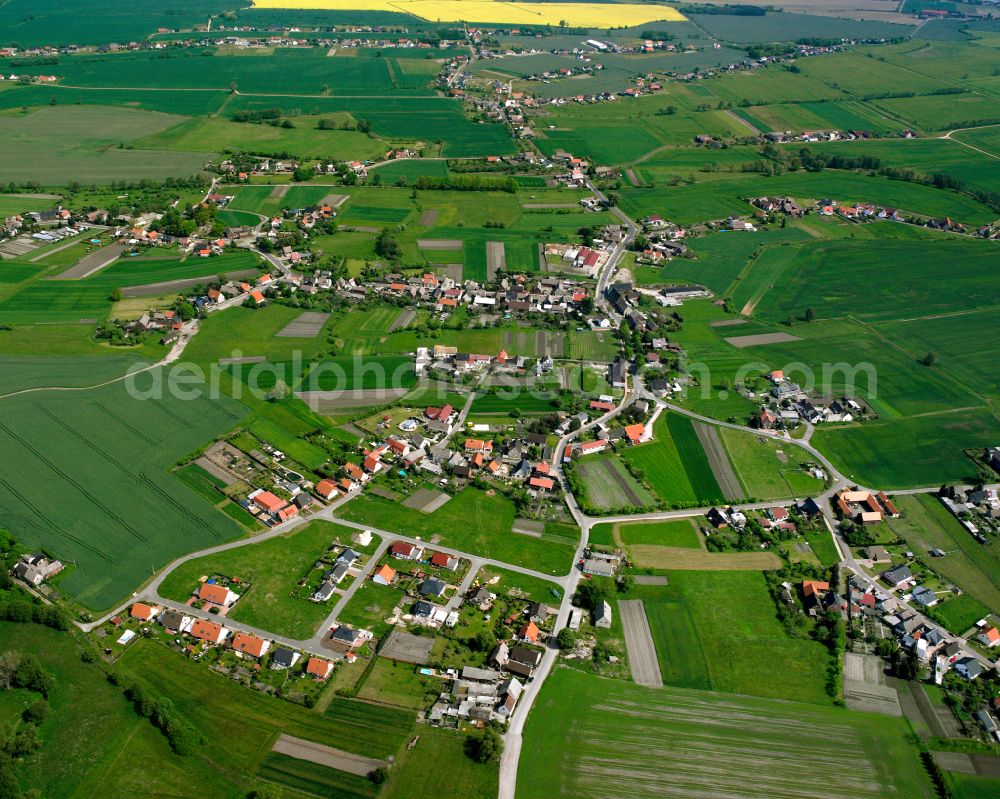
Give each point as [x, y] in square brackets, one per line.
[693, 457]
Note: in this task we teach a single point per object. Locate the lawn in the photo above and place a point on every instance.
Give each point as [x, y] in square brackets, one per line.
[108, 451]
[767, 469]
[437, 768]
[474, 521]
[522, 586]
[975, 568]
[676, 742]
[370, 606]
[273, 568]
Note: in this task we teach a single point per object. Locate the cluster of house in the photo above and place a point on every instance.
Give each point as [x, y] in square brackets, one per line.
[516, 294]
[35, 568]
[347, 562]
[864, 507]
[269, 508]
[790, 405]
[606, 436]
[976, 509]
[426, 610]
[344, 640]
[478, 695]
[56, 224]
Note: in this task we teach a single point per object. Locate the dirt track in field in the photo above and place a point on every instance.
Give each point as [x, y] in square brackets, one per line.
[639, 642]
[326, 755]
[719, 461]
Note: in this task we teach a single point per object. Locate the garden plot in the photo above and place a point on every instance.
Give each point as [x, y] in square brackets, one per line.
[528, 527]
[308, 324]
[722, 468]
[865, 686]
[428, 218]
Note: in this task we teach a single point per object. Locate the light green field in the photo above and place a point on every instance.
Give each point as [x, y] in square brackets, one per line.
[766, 469]
[623, 740]
[60, 144]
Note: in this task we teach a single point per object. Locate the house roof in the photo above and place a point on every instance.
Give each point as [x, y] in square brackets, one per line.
[214, 593]
[404, 549]
[269, 502]
[249, 644]
[387, 573]
[318, 667]
[530, 631]
[141, 611]
[541, 482]
[206, 630]
[325, 487]
[634, 431]
[441, 559]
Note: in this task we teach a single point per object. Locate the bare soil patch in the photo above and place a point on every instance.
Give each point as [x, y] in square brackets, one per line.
[761, 338]
[281, 190]
[439, 244]
[93, 262]
[651, 556]
[334, 200]
[180, 285]
[550, 205]
[496, 258]
[324, 755]
[529, 527]
[308, 324]
[426, 499]
[244, 359]
[639, 643]
[650, 579]
[402, 320]
[708, 435]
[407, 648]
[428, 218]
[727, 322]
[334, 401]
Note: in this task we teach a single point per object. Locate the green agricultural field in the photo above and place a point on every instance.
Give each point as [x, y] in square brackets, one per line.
[719, 197]
[607, 484]
[438, 768]
[107, 450]
[304, 140]
[975, 568]
[745, 652]
[910, 452]
[672, 741]
[473, 522]
[767, 469]
[676, 533]
[839, 278]
[11, 204]
[966, 786]
[273, 568]
[965, 344]
[779, 27]
[57, 145]
[674, 463]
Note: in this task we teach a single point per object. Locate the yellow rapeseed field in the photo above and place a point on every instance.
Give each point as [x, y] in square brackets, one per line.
[579, 15]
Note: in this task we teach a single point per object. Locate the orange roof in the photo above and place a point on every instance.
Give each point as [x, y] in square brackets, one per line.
[992, 634]
[206, 630]
[634, 431]
[141, 611]
[249, 644]
[493, 466]
[257, 296]
[541, 482]
[325, 488]
[542, 468]
[530, 632]
[318, 667]
[287, 513]
[813, 587]
[387, 573]
[269, 502]
[214, 593]
[353, 471]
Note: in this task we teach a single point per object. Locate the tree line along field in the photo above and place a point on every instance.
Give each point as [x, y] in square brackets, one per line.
[102, 762]
[628, 741]
[127, 517]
